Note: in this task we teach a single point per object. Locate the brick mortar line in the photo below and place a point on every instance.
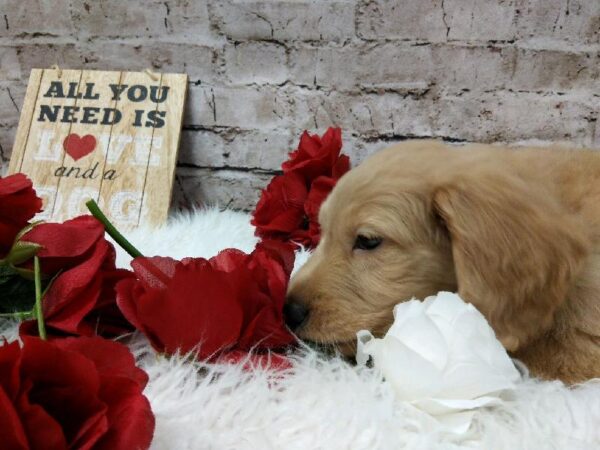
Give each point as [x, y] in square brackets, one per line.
[433, 91]
[254, 170]
[568, 46]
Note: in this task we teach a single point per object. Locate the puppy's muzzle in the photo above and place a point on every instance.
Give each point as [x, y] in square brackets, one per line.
[295, 313]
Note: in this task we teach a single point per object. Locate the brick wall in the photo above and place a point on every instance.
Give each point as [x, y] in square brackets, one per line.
[263, 71]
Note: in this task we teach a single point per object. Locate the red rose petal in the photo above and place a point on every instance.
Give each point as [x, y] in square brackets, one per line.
[110, 358]
[229, 259]
[197, 308]
[129, 293]
[83, 393]
[131, 423]
[70, 239]
[13, 184]
[11, 428]
[18, 204]
[266, 330]
[42, 430]
[156, 271]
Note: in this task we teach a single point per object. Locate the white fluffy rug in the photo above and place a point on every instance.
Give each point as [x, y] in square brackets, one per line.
[326, 403]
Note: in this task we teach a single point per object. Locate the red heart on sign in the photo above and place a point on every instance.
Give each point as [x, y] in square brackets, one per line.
[77, 147]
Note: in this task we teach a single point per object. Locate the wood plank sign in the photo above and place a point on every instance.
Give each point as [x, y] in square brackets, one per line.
[109, 136]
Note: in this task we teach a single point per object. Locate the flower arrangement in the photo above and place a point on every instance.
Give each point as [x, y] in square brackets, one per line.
[68, 384]
[288, 208]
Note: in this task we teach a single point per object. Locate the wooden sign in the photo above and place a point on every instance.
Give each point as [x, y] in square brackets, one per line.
[109, 136]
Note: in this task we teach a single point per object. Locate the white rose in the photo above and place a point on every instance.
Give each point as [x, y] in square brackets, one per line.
[441, 356]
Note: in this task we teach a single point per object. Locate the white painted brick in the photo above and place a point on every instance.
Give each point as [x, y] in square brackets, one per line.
[302, 63]
[571, 20]
[388, 113]
[359, 148]
[195, 60]
[235, 148]
[189, 19]
[243, 107]
[404, 66]
[389, 65]
[256, 62]
[9, 64]
[7, 139]
[43, 55]
[556, 70]
[481, 20]
[172, 19]
[511, 116]
[223, 188]
[11, 99]
[403, 19]
[285, 20]
[478, 68]
[119, 18]
[35, 18]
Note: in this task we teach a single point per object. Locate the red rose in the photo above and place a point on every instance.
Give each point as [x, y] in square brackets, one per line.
[318, 156]
[233, 301]
[288, 209]
[18, 204]
[280, 214]
[81, 300]
[261, 280]
[74, 393]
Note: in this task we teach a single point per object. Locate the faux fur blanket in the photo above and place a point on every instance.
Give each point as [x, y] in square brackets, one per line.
[325, 403]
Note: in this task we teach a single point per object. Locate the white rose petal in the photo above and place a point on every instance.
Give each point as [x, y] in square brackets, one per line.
[442, 356]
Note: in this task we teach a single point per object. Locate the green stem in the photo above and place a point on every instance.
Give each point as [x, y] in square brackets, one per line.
[111, 230]
[38, 298]
[19, 315]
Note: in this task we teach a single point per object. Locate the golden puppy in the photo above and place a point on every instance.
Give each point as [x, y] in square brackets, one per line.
[516, 232]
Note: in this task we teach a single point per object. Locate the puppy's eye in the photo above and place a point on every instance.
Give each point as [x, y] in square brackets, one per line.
[366, 242]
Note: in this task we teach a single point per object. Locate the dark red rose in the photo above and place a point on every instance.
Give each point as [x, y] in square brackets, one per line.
[81, 299]
[233, 301]
[279, 213]
[73, 393]
[18, 204]
[317, 156]
[180, 305]
[261, 280]
[288, 209]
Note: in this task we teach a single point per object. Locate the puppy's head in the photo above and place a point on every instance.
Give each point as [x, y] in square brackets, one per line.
[379, 245]
[412, 221]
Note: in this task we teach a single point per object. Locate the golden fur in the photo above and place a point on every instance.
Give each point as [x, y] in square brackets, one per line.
[515, 231]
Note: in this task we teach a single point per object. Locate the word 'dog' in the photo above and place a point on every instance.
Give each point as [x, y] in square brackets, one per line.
[124, 207]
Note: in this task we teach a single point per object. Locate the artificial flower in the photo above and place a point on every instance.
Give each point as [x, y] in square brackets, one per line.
[288, 209]
[318, 156]
[280, 213]
[81, 297]
[233, 301]
[72, 393]
[442, 356]
[18, 204]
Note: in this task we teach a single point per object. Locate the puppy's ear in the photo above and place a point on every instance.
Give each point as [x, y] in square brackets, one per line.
[515, 251]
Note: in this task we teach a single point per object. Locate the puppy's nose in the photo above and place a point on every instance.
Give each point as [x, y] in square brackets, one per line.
[295, 314]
